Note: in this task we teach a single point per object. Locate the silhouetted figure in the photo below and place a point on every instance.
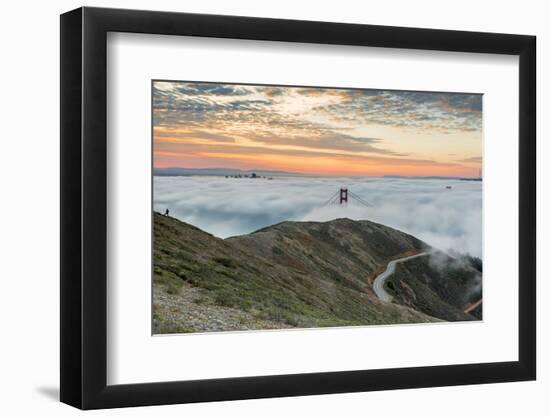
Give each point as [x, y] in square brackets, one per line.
[167, 212]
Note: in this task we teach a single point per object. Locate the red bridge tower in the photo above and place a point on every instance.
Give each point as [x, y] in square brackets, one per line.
[343, 195]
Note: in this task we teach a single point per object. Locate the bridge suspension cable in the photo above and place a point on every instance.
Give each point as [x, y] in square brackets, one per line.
[332, 200]
[341, 197]
[360, 200]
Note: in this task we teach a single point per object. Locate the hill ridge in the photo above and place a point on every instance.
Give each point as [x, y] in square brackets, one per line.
[291, 274]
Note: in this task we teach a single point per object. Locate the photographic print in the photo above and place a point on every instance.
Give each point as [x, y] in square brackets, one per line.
[281, 207]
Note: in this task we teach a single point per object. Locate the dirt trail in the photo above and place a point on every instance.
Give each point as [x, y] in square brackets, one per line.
[471, 307]
[378, 285]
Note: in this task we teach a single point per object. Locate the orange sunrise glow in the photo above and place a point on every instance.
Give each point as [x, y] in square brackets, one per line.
[316, 131]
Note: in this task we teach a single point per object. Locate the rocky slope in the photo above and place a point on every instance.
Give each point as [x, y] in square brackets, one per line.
[293, 274]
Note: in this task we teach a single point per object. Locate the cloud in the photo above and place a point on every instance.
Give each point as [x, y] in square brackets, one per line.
[328, 140]
[444, 218]
[182, 102]
[476, 159]
[227, 151]
[443, 112]
[194, 134]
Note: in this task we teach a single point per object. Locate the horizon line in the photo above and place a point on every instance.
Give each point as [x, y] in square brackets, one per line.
[309, 174]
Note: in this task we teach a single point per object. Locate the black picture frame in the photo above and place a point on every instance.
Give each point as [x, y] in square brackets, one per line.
[84, 207]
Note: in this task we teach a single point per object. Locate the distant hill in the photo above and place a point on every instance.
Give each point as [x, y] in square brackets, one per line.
[425, 177]
[293, 274]
[433, 177]
[184, 172]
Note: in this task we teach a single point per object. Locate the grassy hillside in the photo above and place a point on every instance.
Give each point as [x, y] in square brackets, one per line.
[342, 250]
[293, 274]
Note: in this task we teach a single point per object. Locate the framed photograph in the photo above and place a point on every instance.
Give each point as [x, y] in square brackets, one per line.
[257, 208]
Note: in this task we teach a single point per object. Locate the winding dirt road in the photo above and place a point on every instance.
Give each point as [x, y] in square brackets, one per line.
[473, 306]
[378, 284]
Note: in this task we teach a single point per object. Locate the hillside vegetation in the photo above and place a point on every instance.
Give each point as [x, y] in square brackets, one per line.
[438, 285]
[293, 274]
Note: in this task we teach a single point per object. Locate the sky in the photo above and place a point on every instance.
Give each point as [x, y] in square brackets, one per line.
[444, 218]
[316, 131]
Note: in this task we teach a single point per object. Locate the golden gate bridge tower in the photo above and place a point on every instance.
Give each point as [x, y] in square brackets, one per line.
[344, 196]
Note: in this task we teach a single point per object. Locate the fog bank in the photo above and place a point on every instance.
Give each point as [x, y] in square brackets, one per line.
[444, 218]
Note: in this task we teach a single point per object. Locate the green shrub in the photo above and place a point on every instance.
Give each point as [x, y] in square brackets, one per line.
[277, 251]
[228, 263]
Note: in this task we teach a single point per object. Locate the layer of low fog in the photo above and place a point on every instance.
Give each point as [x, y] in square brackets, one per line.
[448, 219]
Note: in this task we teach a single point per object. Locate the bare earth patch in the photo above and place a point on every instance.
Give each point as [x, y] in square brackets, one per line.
[191, 310]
